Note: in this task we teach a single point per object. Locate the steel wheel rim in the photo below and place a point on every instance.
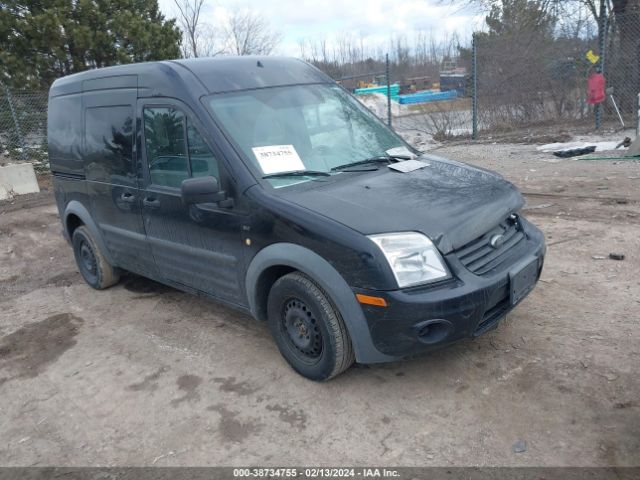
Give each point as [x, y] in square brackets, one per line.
[301, 329]
[87, 260]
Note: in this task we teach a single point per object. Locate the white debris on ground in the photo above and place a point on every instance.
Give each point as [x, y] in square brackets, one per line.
[377, 103]
[600, 146]
[419, 140]
[17, 179]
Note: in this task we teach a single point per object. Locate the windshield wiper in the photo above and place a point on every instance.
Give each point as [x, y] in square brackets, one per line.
[298, 173]
[379, 159]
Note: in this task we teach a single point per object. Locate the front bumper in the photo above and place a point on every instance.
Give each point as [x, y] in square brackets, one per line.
[424, 318]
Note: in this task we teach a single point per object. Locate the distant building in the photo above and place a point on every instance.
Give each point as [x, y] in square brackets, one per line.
[415, 84]
[455, 79]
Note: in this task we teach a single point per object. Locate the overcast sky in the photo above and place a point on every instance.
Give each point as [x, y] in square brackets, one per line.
[374, 20]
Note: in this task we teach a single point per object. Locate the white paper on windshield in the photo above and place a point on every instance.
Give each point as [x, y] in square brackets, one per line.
[408, 166]
[278, 158]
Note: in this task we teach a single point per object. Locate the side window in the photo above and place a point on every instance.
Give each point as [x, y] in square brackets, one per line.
[109, 144]
[65, 134]
[203, 163]
[164, 133]
[172, 157]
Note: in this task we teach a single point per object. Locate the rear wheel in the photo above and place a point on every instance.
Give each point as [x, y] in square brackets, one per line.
[93, 266]
[307, 328]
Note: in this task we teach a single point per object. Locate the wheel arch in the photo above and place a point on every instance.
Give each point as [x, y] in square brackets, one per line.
[281, 258]
[76, 214]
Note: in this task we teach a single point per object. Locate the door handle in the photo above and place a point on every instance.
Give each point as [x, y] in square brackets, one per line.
[151, 202]
[127, 197]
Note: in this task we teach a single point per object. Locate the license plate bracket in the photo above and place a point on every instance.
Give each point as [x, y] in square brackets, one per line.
[522, 280]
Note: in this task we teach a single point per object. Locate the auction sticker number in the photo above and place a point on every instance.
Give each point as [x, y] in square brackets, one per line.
[278, 159]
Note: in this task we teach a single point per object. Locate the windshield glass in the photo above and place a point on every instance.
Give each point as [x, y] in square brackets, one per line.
[313, 128]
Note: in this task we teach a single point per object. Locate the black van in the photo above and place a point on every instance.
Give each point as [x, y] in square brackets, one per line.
[261, 183]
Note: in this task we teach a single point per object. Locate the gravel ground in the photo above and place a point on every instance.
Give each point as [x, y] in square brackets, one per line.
[142, 374]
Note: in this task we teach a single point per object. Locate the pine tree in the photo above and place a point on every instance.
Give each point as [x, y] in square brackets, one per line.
[41, 40]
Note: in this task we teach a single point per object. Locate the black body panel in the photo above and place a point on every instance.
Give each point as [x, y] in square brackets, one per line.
[111, 173]
[472, 304]
[196, 246]
[449, 202]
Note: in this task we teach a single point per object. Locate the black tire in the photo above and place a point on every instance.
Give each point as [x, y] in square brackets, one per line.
[307, 328]
[93, 266]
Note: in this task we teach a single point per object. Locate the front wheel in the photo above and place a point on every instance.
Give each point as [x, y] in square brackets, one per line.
[307, 328]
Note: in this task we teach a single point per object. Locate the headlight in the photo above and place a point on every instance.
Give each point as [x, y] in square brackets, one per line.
[412, 257]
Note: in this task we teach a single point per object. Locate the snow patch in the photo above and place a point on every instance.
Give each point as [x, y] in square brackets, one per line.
[600, 146]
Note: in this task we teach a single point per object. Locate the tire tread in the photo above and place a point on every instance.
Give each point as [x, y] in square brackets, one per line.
[344, 355]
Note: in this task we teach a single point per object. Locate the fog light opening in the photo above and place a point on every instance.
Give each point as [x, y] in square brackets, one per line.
[433, 331]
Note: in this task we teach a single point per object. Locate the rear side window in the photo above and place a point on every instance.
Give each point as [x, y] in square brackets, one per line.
[175, 148]
[65, 134]
[109, 144]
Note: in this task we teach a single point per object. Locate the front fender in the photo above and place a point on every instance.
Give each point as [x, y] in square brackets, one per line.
[328, 278]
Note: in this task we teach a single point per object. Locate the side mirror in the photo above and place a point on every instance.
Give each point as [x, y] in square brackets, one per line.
[201, 190]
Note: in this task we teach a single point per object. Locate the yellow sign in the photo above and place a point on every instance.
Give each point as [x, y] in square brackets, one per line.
[592, 57]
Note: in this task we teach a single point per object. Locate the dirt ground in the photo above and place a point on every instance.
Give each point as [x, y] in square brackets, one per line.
[142, 374]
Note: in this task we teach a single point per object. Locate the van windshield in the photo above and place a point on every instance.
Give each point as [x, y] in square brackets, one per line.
[304, 132]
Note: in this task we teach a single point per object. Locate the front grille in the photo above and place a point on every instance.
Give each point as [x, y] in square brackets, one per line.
[480, 257]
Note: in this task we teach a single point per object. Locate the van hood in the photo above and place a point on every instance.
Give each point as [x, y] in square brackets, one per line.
[450, 202]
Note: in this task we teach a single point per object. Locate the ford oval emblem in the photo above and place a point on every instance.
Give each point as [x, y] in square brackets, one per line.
[496, 241]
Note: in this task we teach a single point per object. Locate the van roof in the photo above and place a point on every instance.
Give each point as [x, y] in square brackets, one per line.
[213, 75]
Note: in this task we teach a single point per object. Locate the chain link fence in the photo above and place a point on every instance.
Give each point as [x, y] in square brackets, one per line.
[536, 78]
[622, 68]
[23, 126]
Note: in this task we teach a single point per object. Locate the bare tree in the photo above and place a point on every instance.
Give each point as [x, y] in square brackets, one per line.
[248, 33]
[211, 41]
[200, 38]
[190, 25]
[557, 7]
